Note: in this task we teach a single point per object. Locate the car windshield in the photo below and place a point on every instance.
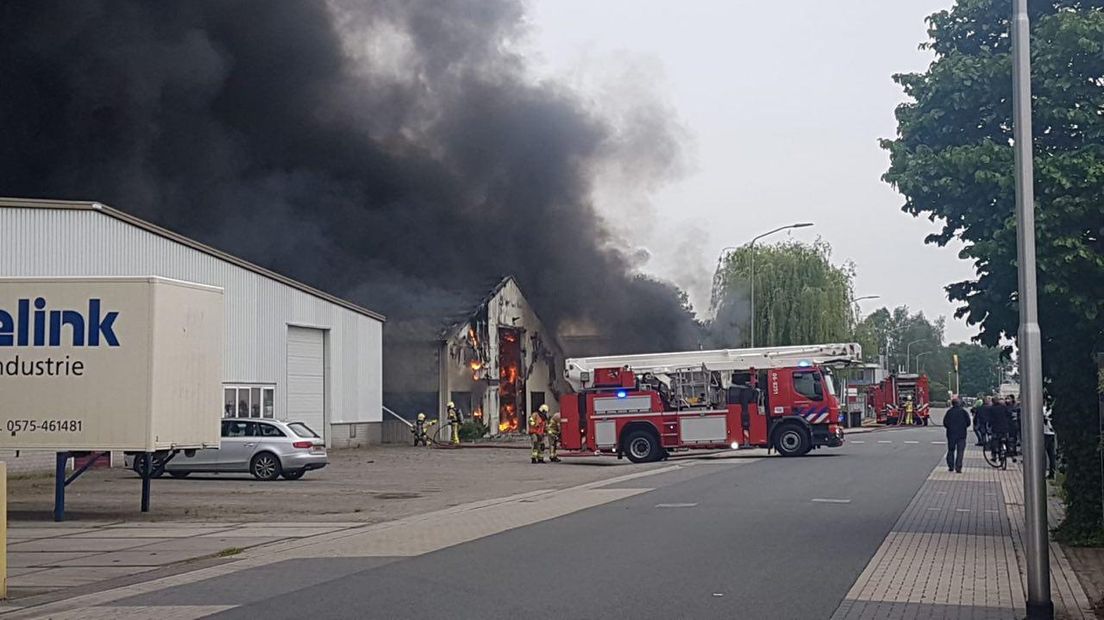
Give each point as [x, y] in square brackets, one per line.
[302, 430]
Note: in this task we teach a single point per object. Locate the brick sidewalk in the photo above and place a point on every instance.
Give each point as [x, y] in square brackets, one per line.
[957, 552]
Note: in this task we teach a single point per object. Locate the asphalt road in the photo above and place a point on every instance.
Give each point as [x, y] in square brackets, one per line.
[777, 538]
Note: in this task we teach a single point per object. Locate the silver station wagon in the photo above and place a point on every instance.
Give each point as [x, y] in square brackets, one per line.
[267, 449]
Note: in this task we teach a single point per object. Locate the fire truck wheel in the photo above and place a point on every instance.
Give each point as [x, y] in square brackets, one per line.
[792, 440]
[642, 446]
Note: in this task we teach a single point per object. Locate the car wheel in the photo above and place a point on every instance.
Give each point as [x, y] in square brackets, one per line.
[158, 466]
[642, 446]
[265, 466]
[179, 474]
[792, 440]
[294, 474]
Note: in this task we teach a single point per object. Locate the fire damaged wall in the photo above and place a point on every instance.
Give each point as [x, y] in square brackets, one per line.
[386, 151]
[505, 360]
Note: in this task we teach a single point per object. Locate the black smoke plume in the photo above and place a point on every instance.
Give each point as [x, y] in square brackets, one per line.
[389, 151]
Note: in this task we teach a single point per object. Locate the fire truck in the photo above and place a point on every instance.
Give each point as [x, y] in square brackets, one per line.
[645, 406]
[888, 398]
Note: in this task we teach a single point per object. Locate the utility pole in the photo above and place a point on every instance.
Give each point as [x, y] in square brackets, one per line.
[1039, 603]
[752, 259]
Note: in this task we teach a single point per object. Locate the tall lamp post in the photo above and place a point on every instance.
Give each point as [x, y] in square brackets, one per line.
[752, 248]
[908, 353]
[918, 356]
[1039, 604]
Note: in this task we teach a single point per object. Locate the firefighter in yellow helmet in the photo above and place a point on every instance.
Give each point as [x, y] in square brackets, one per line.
[454, 421]
[909, 410]
[420, 430]
[538, 421]
[553, 435]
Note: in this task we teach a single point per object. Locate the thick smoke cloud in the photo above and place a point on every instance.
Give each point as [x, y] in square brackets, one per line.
[390, 151]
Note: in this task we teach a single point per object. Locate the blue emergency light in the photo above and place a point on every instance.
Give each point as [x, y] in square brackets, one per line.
[622, 393]
[804, 364]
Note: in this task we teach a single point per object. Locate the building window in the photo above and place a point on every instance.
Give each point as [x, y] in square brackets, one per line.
[249, 401]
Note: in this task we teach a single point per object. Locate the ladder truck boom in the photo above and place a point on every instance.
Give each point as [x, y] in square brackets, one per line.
[580, 371]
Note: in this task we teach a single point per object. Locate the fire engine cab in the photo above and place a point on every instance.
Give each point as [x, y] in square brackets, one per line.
[644, 406]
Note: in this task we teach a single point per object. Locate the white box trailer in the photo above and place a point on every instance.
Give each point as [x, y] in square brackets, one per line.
[113, 363]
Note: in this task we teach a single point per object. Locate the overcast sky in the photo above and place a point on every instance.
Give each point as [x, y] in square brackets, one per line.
[782, 110]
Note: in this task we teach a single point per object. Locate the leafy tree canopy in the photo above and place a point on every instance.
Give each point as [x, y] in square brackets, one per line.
[800, 296]
[952, 159]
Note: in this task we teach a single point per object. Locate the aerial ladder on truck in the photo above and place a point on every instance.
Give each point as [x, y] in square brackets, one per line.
[643, 406]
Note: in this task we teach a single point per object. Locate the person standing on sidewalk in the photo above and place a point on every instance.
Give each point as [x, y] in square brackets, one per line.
[1048, 443]
[979, 425]
[956, 421]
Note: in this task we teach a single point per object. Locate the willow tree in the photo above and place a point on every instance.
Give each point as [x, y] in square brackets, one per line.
[800, 296]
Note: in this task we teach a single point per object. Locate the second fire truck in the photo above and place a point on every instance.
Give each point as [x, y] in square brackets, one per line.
[889, 398]
[644, 406]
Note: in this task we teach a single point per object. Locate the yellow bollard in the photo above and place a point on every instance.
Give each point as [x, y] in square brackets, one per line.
[3, 530]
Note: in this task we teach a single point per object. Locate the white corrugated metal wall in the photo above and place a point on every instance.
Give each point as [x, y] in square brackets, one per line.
[82, 242]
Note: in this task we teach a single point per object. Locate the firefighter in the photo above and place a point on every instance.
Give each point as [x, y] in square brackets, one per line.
[537, 427]
[420, 430]
[454, 423]
[909, 410]
[553, 435]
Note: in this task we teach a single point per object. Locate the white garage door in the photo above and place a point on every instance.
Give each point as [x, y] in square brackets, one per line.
[306, 378]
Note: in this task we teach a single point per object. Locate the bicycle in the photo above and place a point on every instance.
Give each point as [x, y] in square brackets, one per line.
[996, 452]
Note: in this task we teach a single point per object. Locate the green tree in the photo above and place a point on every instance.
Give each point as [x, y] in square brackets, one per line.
[889, 333]
[800, 296]
[952, 159]
[978, 368]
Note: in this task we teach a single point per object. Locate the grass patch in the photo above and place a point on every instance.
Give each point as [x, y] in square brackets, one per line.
[229, 552]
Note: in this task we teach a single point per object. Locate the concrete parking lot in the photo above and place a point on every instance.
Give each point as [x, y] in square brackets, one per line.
[365, 486]
[106, 540]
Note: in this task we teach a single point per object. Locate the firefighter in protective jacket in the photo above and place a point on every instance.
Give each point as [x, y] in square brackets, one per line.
[553, 437]
[538, 421]
[420, 430]
[454, 423]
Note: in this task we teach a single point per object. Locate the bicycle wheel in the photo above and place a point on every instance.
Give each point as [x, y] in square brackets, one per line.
[995, 457]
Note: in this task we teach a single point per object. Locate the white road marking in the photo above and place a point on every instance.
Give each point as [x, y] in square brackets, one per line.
[940, 443]
[718, 594]
[824, 500]
[992, 510]
[962, 510]
[676, 505]
[930, 509]
[884, 441]
[912, 442]
[857, 441]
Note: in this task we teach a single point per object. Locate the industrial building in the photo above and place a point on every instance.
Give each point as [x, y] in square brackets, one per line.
[292, 352]
[497, 361]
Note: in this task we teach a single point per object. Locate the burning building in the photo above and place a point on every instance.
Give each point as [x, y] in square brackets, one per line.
[497, 361]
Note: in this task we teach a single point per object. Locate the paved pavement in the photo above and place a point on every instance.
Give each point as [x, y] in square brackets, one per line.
[727, 537]
[877, 529]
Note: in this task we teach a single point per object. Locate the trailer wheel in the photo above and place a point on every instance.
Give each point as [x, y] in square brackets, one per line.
[642, 446]
[792, 440]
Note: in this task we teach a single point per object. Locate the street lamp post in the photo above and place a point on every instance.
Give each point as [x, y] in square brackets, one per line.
[1039, 604]
[752, 259]
[918, 356]
[908, 352]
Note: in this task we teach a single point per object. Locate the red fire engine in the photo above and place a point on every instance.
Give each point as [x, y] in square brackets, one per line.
[644, 406]
[889, 398]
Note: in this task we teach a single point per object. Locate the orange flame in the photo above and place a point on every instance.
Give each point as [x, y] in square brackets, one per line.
[476, 364]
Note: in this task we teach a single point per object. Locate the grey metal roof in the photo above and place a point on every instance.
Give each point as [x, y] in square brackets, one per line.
[76, 205]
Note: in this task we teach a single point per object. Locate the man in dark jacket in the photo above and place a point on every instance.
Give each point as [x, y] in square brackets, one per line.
[1000, 424]
[956, 421]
